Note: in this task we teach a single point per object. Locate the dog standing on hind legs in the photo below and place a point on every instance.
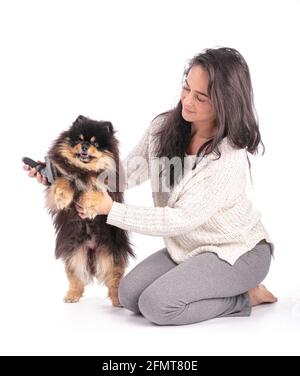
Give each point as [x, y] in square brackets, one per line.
[90, 248]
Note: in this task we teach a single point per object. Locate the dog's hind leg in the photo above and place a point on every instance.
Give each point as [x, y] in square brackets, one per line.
[110, 274]
[78, 275]
[76, 289]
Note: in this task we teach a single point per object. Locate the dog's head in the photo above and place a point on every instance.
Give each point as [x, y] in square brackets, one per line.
[89, 144]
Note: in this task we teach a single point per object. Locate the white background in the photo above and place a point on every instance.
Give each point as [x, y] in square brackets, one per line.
[123, 61]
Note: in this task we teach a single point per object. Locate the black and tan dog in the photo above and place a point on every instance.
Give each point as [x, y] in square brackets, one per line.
[90, 248]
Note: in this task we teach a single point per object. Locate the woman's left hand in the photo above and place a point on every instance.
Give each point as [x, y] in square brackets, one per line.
[103, 206]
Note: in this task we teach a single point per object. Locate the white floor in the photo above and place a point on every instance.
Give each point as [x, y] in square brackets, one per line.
[34, 320]
[43, 325]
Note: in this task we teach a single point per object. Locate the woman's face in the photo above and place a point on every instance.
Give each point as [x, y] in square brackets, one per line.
[196, 105]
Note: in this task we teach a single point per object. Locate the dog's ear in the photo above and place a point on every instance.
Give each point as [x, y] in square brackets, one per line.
[81, 119]
[109, 127]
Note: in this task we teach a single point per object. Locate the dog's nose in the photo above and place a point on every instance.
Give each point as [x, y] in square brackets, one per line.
[85, 146]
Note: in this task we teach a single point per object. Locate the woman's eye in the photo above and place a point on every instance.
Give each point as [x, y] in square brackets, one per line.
[188, 89]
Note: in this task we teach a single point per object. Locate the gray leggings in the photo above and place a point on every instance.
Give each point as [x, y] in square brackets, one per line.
[201, 288]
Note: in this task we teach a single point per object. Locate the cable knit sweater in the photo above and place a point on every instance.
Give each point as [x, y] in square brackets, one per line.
[207, 211]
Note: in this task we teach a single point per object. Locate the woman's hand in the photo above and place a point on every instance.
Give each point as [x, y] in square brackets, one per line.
[103, 206]
[34, 173]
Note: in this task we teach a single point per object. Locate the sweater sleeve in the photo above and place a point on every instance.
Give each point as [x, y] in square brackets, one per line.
[207, 195]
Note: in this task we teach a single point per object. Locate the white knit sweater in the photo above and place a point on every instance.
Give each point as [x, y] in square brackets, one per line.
[207, 211]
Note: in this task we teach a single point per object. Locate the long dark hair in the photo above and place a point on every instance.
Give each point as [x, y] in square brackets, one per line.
[231, 94]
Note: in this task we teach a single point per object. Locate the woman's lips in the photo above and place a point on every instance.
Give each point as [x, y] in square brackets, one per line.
[188, 111]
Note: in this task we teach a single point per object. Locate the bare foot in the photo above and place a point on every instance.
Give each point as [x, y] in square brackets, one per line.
[260, 294]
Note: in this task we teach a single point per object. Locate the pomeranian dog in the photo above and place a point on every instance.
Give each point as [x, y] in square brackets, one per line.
[90, 248]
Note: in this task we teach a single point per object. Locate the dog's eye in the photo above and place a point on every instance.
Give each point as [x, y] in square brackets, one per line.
[96, 144]
[73, 142]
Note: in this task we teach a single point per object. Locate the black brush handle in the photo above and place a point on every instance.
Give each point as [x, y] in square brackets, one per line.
[33, 164]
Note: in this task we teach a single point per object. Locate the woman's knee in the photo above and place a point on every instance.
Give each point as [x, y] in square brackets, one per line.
[128, 296]
[153, 305]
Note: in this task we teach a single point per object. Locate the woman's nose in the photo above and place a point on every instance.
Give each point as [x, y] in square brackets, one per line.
[188, 100]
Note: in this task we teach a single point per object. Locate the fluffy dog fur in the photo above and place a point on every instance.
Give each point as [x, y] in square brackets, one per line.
[89, 247]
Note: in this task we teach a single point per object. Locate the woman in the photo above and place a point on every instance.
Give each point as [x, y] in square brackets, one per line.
[217, 250]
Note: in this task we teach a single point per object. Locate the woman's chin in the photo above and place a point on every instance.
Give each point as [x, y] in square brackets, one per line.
[187, 117]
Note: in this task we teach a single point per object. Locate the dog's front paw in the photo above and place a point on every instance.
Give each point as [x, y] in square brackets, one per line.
[59, 195]
[90, 212]
[62, 198]
[90, 201]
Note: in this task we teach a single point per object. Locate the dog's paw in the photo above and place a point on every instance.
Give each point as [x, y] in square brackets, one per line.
[62, 198]
[89, 201]
[90, 212]
[71, 298]
[116, 303]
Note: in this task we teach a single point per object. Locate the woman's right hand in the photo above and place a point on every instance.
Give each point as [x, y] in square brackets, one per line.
[34, 173]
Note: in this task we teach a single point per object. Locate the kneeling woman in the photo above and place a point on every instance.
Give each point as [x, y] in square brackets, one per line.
[217, 249]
